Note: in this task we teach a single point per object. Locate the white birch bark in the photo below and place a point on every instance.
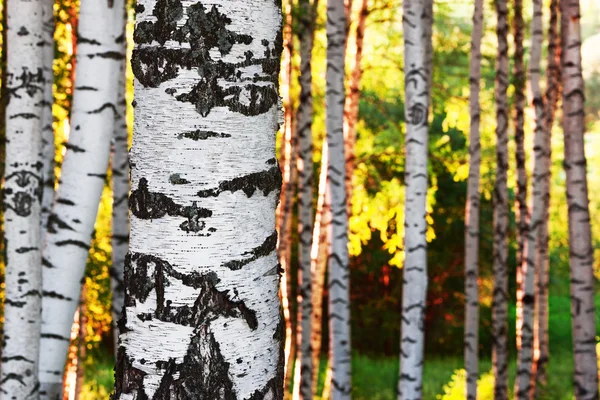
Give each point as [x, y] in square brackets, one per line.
[472, 212]
[71, 223]
[120, 181]
[48, 149]
[304, 363]
[417, 33]
[202, 315]
[525, 382]
[581, 253]
[22, 199]
[339, 274]
[500, 266]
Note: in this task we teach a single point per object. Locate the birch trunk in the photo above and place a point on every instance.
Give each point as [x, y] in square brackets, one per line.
[472, 212]
[71, 223]
[48, 149]
[525, 382]
[120, 180]
[25, 85]
[500, 267]
[417, 33]
[580, 246]
[303, 382]
[284, 211]
[338, 277]
[202, 316]
[521, 195]
[352, 102]
[542, 257]
[321, 242]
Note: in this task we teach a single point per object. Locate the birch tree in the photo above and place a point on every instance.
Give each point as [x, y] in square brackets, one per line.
[542, 255]
[417, 34]
[500, 267]
[120, 187]
[581, 254]
[525, 382]
[71, 223]
[202, 316]
[303, 381]
[25, 85]
[519, 121]
[472, 211]
[48, 149]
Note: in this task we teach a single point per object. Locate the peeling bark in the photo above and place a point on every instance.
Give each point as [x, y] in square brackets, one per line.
[202, 317]
[24, 90]
[472, 211]
[581, 253]
[417, 80]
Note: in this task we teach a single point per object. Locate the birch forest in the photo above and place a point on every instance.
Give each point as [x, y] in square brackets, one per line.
[300, 199]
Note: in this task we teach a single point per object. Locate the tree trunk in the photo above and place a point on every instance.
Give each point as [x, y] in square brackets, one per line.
[581, 254]
[500, 267]
[352, 102]
[321, 242]
[338, 277]
[22, 199]
[120, 178]
[472, 212]
[202, 275]
[417, 77]
[521, 192]
[71, 223]
[525, 382]
[303, 382]
[542, 257]
[285, 210]
[48, 149]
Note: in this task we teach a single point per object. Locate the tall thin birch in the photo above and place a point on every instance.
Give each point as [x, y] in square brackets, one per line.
[303, 380]
[472, 211]
[581, 253]
[202, 316]
[71, 223]
[500, 266]
[417, 34]
[25, 85]
[120, 188]
[519, 79]
[48, 148]
[339, 274]
[525, 382]
[542, 257]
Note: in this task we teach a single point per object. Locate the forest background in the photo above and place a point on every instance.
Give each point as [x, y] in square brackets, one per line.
[376, 224]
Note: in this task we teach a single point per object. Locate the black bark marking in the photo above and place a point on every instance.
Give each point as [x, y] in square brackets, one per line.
[22, 250]
[55, 222]
[266, 181]
[203, 30]
[71, 242]
[74, 148]
[151, 205]
[28, 190]
[202, 135]
[266, 248]
[176, 179]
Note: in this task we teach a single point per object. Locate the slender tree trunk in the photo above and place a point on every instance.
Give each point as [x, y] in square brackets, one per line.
[472, 212]
[580, 245]
[25, 84]
[521, 195]
[525, 382]
[71, 224]
[303, 382]
[542, 257]
[352, 102]
[500, 300]
[120, 178]
[417, 77]
[318, 262]
[284, 212]
[202, 275]
[48, 149]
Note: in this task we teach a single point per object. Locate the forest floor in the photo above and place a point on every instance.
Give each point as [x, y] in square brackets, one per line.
[376, 378]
